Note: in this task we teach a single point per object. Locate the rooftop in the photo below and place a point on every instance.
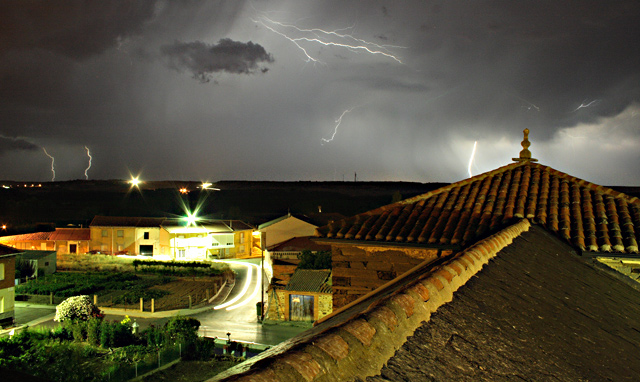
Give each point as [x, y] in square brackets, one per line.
[310, 280]
[591, 217]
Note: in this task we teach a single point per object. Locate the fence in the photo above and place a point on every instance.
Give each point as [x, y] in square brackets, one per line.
[163, 357]
[149, 305]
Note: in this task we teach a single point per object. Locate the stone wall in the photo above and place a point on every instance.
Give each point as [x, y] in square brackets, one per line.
[357, 270]
[277, 301]
[325, 305]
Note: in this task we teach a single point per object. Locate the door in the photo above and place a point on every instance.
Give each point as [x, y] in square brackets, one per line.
[300, 307]
[73, 248]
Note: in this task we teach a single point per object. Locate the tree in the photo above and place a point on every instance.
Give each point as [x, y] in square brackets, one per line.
[24, 268]
[76, 308]
[318, 260]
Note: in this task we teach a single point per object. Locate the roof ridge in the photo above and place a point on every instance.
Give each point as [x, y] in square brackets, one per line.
[377, 330]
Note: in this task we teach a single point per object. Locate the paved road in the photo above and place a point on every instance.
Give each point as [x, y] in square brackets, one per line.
[241, 321]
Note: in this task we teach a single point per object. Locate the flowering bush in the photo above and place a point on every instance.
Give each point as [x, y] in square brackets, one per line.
[77, 308]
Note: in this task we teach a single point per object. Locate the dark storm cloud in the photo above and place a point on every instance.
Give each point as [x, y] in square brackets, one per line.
[9, 144]
[202, 59]
[507, 57]
[77, 29]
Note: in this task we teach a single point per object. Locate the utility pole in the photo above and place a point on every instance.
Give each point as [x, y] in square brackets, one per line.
[263, 237]
[355, 176]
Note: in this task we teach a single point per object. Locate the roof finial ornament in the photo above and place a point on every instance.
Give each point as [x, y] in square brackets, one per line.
[525, 154]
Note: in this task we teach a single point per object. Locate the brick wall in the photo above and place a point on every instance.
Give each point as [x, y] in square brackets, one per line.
[357, 270]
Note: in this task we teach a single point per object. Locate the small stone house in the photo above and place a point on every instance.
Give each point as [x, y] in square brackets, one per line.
[307, 297]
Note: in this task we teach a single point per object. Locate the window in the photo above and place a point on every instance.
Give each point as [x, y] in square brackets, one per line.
[242, 238]
[120, 233]
[300, 307]
[73, 248]
[181, 253]
[241, 249]
[105, 233]
[146, 235]
[1, 271]
[46, 263]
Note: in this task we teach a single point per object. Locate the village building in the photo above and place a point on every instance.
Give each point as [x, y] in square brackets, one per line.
[62, 240]
[136, 236]
[7, 284]
[43, 262]
[286, 227]
[498, 280]
[305, 298]
[209, 240]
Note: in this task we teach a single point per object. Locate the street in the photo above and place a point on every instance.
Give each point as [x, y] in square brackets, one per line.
[236, 314]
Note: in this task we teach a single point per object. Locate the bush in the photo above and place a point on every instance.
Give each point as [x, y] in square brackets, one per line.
[93, 331]
[182, 329]
[76, 308]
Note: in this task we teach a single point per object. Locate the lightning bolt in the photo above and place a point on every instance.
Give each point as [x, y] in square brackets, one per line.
[86, 175]
[323, 37]
[473, 154]
[338, 122]
[53, 169]
[583, 105]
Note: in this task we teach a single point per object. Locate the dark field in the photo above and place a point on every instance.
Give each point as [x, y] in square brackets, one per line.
[58, 204]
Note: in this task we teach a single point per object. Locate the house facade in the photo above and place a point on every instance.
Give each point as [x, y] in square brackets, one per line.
[62, 240]
[208, 240]
[7, 284]
[134, 236]
[284, 228]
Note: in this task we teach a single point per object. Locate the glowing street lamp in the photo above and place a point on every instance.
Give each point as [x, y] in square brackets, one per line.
[135, 182]
[184, 190]
[191, 219]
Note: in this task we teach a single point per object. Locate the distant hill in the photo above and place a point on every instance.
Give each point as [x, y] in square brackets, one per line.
[27, 206]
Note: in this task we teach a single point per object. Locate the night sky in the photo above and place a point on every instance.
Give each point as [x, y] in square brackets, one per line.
[255, 90]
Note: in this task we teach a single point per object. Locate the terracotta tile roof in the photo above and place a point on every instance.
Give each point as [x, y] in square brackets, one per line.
[591, 217]
[26, 237]
[76, 234]
[299, 244]
[357, 340]
[310, 280]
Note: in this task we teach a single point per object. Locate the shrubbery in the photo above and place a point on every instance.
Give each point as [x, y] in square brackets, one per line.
[77, 308]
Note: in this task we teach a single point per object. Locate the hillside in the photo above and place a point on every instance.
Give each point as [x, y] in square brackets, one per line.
[57, 204]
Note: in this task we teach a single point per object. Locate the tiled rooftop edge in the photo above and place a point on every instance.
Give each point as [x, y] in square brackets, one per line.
[361, 346]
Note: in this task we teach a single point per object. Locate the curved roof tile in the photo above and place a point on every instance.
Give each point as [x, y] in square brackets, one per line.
[590, 217]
